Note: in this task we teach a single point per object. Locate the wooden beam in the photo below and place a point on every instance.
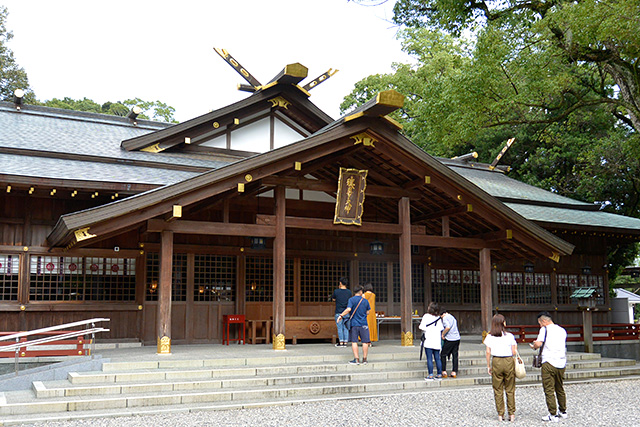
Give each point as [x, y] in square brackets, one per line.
[210, 228]
[405, 270]
[486, 309]
[456, 210]
[446, 231]
[279, 253]
[327, 224]
[163, 327]
[451, 242]
[331, 187]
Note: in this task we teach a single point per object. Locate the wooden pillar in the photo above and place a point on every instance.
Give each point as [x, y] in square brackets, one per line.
[141, 289]
[189, 314]
[587, 329]
[279, 249]
[24, 275]
[405, 272]
[485, 289]
[163, 329]
[241, 284]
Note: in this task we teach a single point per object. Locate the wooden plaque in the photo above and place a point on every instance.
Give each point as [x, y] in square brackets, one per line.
[350, 198]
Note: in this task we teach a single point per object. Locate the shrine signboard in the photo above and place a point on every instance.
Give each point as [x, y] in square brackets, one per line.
[350, 197]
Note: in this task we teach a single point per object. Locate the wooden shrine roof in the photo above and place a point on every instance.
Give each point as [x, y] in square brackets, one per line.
[396, 167]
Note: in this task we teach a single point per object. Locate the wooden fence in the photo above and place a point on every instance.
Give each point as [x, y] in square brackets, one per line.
[611, 332]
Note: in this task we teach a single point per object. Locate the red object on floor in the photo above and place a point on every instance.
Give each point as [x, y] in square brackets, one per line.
[228, 319]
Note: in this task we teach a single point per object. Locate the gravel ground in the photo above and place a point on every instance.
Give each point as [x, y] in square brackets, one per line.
[602, 403]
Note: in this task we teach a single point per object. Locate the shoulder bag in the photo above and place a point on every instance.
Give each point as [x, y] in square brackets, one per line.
[521, 372]
[352, 313]
[537, 358]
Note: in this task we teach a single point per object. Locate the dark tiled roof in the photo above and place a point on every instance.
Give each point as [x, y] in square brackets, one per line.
[501, 186]
[591, 219]
[65, 131]
[42, 167]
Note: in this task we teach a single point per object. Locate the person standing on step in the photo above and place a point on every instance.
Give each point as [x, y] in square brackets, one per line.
[451, 343]
[371, 317]
[341, 297]
[553, 340]
[431, 326]
[359, 308]
[501, 365]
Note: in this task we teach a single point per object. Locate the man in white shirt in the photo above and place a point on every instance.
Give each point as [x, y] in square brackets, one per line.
[554, 360]
[451, 345]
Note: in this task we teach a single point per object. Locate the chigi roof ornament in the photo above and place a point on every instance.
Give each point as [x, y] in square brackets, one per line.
[291, 74]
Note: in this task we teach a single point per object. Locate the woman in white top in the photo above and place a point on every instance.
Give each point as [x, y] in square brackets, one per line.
[501, 353]
[432, 326]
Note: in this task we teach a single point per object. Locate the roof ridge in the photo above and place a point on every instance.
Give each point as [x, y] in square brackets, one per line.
[85, 116]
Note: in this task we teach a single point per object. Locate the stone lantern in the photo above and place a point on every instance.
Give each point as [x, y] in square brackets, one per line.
[587, 303]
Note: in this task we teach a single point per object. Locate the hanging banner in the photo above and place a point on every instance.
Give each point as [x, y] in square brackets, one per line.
[350, 198]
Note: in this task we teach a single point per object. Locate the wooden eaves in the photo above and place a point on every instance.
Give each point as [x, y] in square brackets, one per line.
[137, 210]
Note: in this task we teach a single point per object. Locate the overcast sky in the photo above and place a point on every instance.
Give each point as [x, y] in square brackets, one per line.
[163, 50]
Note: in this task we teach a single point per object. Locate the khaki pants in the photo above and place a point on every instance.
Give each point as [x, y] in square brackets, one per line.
[503, 373]
[553, 385]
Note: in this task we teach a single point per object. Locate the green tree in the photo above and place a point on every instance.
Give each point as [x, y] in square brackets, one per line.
[12, 76]
[583, 52]
[156, 109]
[507, 78]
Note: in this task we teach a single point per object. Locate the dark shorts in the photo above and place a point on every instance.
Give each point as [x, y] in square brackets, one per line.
[361, 332]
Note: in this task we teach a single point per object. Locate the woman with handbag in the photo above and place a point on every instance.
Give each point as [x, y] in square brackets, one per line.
[501, 354]
[432, 327]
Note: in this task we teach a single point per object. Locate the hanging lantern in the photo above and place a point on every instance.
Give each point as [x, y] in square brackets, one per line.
[376, 247]
[529, 267]
[258, 242]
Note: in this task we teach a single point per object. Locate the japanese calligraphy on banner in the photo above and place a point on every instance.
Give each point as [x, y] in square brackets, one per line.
[9, 264]
[350, 199]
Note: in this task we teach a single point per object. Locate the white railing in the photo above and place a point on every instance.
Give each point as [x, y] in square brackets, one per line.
[72, 334]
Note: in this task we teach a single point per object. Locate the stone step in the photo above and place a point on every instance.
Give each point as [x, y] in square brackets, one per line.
[358, 384]
[204, 373]
[297, 360]
[96, 384]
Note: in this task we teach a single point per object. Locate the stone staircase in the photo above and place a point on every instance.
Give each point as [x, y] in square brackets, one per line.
[150, 387]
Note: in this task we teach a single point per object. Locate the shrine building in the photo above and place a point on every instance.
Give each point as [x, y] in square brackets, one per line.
[258, 208]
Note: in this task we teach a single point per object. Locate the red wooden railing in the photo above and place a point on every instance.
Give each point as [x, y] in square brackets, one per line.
[611, 332]
[72, 346]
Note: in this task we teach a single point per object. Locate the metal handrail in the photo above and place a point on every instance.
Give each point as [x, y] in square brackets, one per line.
[53, 328]
[19, 344]
[73, 334]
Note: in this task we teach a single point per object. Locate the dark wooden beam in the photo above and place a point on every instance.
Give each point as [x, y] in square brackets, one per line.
[210, 228]
[405, 270]
[279, 255]
[290, 74]
[486, 306]
[457, 210]
[327, 224]
[163, 319]
[331, 187]
[451, 242]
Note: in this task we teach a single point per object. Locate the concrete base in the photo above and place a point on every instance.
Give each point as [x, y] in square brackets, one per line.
[614, 349]
[52, 370]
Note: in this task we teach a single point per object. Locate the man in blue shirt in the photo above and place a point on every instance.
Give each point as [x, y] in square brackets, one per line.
[359, 307]
[341, 297]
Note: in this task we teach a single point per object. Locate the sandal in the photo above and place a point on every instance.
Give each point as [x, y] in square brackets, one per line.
[512, 417]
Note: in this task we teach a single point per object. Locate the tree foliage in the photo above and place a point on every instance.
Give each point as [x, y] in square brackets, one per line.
[560, 76]
[155, 110]
[12, 76]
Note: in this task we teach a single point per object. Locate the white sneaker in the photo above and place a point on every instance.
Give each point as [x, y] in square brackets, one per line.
[551, 418]
[563, 415]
